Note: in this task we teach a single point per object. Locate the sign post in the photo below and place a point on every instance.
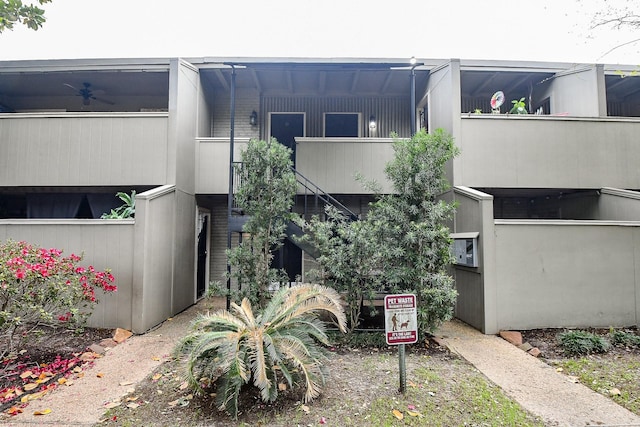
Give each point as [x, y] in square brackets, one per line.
[401, 327]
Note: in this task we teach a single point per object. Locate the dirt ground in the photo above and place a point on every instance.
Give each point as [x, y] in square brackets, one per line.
[52, 353]
[362, 389]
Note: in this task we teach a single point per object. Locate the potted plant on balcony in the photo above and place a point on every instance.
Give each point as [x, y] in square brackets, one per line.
[519, 107]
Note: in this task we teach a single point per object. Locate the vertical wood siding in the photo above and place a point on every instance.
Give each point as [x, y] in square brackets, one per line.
[392, 114]
[105, 244]
[75, 150]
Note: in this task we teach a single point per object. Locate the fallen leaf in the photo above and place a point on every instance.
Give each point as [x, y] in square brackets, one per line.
[414, 413]
[112, 405]
[174, 402]
[412, 384]
[100, 375]
[397, 414]
[30, 386]
[133, 405]
[77, 369]
[26, 374]
[62, 380]
[43, 412]
[304, 408]
[125, 383]
[323, 420]
[132, 398]
[156, 377]
[184, 385]
[156, 358]
[14, 410]
[6, 394]
[33, 396]
[282, 387]
[615, 392]
[559, 369]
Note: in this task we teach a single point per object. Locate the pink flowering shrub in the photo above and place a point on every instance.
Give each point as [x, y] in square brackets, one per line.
[41, 287]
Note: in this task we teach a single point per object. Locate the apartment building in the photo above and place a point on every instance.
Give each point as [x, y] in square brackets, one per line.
[546, 228]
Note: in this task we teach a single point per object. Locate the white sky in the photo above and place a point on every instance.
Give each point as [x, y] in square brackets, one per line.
[537, 30]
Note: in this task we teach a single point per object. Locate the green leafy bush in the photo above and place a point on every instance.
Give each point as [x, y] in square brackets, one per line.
[624, 339]
[266, 192]
[280, 346]
[127, 210]
[578, 343]
[41, 287]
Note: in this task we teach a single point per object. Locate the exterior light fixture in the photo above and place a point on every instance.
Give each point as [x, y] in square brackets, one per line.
[253, 118]
[372, 122]
[413, 60]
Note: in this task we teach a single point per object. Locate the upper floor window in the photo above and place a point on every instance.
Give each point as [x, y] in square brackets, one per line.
[342, 124]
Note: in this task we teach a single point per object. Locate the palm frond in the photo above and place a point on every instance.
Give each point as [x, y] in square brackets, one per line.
[310, 369]
[221, 319]
[258, 363]
[244, 312]
[312, 297]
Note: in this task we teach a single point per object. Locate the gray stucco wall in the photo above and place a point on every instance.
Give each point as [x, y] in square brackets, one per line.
[547, 152]
[578, 93]
[567, 274]
[104, 243]
[475, 285]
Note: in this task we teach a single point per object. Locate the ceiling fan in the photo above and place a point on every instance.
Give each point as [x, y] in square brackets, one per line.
[88, 94]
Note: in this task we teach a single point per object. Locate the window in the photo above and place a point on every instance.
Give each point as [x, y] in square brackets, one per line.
[341, 124]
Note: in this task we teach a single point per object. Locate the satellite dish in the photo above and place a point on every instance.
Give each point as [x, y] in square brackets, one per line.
[497, 100]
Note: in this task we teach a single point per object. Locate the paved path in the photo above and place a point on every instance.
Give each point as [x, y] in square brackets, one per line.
[83, 403]
[535, 385]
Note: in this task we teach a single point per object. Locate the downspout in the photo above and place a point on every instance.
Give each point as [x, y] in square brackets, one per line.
[413, 100]
[230, 194]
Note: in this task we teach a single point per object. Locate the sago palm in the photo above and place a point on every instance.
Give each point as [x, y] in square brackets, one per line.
[228, 349]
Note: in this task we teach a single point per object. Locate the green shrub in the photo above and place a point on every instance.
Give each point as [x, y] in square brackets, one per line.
[228, 349]
[127, 210]
[624, 339]
[578, 343]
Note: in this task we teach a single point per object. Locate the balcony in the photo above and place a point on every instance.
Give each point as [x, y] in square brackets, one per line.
[330, 163]
[547, 152]
[83, 149]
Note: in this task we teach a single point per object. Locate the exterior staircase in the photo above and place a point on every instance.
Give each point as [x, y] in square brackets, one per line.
[314, 201]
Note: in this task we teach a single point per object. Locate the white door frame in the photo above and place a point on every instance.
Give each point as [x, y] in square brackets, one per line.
[202, 213]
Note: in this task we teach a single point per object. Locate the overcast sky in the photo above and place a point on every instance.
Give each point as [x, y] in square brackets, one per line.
[538, 30]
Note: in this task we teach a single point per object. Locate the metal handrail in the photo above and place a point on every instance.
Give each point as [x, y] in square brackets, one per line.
[321, 194]
[307, 184]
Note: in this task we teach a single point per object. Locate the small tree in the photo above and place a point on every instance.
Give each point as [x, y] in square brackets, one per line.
[348, 261]
[410, 225]
[266, 196]
[403, 244]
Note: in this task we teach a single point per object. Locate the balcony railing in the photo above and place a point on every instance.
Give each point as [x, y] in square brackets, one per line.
[547, 152]
[74, 149]
[330, 163]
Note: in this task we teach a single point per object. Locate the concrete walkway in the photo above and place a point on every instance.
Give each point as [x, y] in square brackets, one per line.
[112, 377]
[535, 385]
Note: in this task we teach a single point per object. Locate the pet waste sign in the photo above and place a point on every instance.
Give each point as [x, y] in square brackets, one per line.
[401, 319]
